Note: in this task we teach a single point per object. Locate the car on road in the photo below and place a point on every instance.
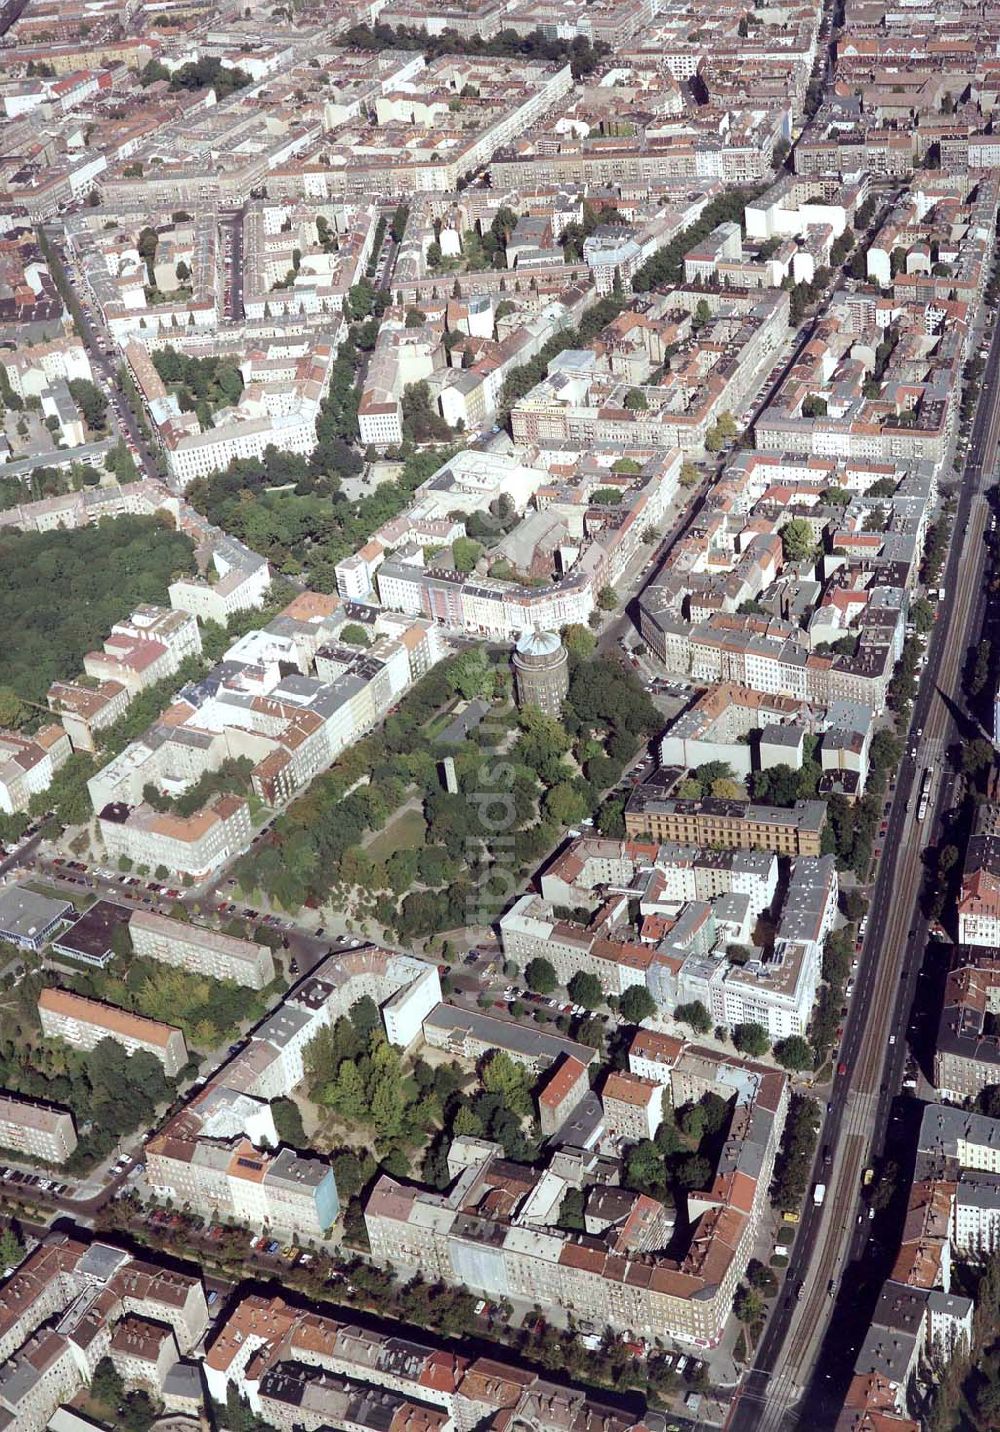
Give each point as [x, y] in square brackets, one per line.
[842, 1067]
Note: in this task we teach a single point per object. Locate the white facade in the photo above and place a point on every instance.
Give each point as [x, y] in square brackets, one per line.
[404, 1013]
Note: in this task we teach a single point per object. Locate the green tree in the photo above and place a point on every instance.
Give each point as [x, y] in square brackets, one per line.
[644, 1168]
[579, 641]
[794, 1053]
[777, 785]
[797, 540]
[571, 1211]
[466, 553]
[387, 1106]
[691, 1171]
[511, 1081]
[348, 1094]
[635, 400]
[710, 772]
[288, 1123]
[748, 1305]
[11, 1249]
[606, 599]
[921, 615]
[977, 756]
[354, 634]
[91, 402]
[751, 1039]
[471, 673]
[148, 243]
[106, 1385]
[585, 989]
[696, 1015]
[637, 1004]
[540, 976]
[565, 804]
[12, 712]
[93, 576]
[611, 819]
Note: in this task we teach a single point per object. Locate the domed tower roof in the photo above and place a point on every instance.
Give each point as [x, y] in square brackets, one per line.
[538, 645]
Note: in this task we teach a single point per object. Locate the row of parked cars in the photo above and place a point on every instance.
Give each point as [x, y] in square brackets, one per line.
[33, 1181]
[271, 1248]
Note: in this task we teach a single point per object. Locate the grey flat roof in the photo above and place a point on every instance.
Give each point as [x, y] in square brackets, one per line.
[26, 914]
[504, 1034]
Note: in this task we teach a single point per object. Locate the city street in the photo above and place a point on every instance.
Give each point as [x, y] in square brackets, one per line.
[830, 1236]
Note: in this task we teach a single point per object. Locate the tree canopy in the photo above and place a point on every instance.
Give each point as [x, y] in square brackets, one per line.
[92, 578]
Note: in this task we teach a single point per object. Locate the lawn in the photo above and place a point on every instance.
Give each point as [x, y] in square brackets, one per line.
[405, 832]
[440, 719]
[80, 900]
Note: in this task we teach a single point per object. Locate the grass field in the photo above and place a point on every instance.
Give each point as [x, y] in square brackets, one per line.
[433, 728]
[405, 832]
[80, 901]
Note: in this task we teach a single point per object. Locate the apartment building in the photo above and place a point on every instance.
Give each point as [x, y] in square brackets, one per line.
[213, 1156]
[691, 906]
[967, 1050]
[145, 649]
[954, 1139]
[308, 1397]
[272, 1062]
[511, 1251]
[590, 405]
[276, 407]
[495, 606]
[265, 1346]
[231, 1178]
[143, 1353]
[85, 711]
[633, 1107]
[666, 872]
[32, 371]
[469, 1034]
[288, 698]
[85, 1022]
[654, 1056]
[27, 765]
[60, 1313]
[41, 1375]
[201, 950]
[776, 988]
[217, 1152]
[978, 902]
[564, 1086]
[735, 824]
[531, 930]
[194, 845]
[237, 580]
[39, 1130]
[975, 1232]
[414, 144]
[465, 17]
